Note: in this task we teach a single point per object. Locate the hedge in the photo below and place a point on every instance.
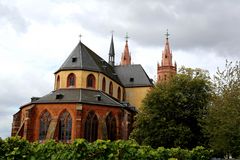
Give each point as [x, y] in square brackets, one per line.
[15, 148]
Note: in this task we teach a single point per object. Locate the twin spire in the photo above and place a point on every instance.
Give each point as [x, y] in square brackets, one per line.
[126, 57]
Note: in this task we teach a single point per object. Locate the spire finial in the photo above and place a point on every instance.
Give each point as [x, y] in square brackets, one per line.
[112, 31]
[127, 37]
[80, 36]
[167, 34]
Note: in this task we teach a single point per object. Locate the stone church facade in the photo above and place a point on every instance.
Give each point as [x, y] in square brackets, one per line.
[92, 98]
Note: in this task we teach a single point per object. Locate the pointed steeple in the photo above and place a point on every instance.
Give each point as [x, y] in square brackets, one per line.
[111, 56]
[166, 70]
[126, 57]
[167, 54]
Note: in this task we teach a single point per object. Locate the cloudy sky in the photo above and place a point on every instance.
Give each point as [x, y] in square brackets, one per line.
[37, 36]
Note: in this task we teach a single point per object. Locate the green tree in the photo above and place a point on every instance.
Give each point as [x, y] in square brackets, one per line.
[222, 124]
[171, 111]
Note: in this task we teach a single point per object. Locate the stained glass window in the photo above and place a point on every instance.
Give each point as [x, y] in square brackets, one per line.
[45, 120]
[91, 127]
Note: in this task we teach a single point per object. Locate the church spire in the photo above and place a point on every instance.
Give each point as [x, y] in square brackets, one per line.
[166, 69]
[126, 57]
[111, 56]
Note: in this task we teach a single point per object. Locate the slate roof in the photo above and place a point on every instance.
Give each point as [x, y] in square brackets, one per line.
[86, 59]
[133, 76]
[85, 96]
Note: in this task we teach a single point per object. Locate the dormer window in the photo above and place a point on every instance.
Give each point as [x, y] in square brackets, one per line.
[74, 59]
[59, 96]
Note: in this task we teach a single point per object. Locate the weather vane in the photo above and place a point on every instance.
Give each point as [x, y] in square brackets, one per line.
[167, 34]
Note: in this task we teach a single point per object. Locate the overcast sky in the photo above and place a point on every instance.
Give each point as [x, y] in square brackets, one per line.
[37, 36]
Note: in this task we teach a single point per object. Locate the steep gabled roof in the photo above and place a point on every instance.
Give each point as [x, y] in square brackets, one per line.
[133, 76]
[83, 58]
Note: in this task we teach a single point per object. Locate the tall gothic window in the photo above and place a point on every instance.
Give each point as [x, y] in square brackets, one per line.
[119, 93]
[58, 82]
[111, 88]
[45, 120]
[111, 127]
[71, 80]
[65, 127]
[91, 127]
[103, 84]
[91, 81]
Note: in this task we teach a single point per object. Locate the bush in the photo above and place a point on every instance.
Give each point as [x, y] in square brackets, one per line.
[17, 148]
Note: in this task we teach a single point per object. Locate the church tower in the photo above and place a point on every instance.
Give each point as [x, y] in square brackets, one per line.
[126, 57]
[111, 58]
[166, 69]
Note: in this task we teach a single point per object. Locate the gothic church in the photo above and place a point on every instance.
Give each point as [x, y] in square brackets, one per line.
[92, 98]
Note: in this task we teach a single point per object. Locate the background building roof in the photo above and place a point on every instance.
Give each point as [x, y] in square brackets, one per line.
[133, 76]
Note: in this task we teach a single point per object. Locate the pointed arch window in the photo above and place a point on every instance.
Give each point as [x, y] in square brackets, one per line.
[45, 120]
[91, 81]
[65, 127]
[58, 82]
[71, 80]
[91, 127]
[103, 84]
[111, 88]
[111, 127]
[119, 94]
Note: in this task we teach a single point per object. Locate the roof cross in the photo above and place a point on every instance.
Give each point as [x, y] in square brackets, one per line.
[127, 37]
[167, 34]
[80, 36]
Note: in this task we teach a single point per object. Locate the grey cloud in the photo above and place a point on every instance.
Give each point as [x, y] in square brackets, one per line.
[200, 24]
[12, 16]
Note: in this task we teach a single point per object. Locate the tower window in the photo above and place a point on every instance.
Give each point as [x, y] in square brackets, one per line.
[58, 82]
[71, 80]
[111, 88]
[91, 81]
[103, 84]
[165, 56]
[131, 79]
[119, 93]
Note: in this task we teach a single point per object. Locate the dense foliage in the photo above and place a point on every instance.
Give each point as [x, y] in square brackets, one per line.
[222, 124]
[171, 111]
[16, 148]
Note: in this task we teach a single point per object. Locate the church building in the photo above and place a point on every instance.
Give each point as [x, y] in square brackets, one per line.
[92, 98]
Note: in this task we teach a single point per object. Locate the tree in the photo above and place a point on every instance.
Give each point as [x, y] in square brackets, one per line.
[222, 123]
[171, 111]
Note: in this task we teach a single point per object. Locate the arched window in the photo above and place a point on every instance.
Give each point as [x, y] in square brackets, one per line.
[91, 81]
[65, 126]
[71, 80]
[103, 84]
[111, 127]
[45, 120]
[111, 88]
[91, 127]
[119, 94]
[58, 82]
[124, 95]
